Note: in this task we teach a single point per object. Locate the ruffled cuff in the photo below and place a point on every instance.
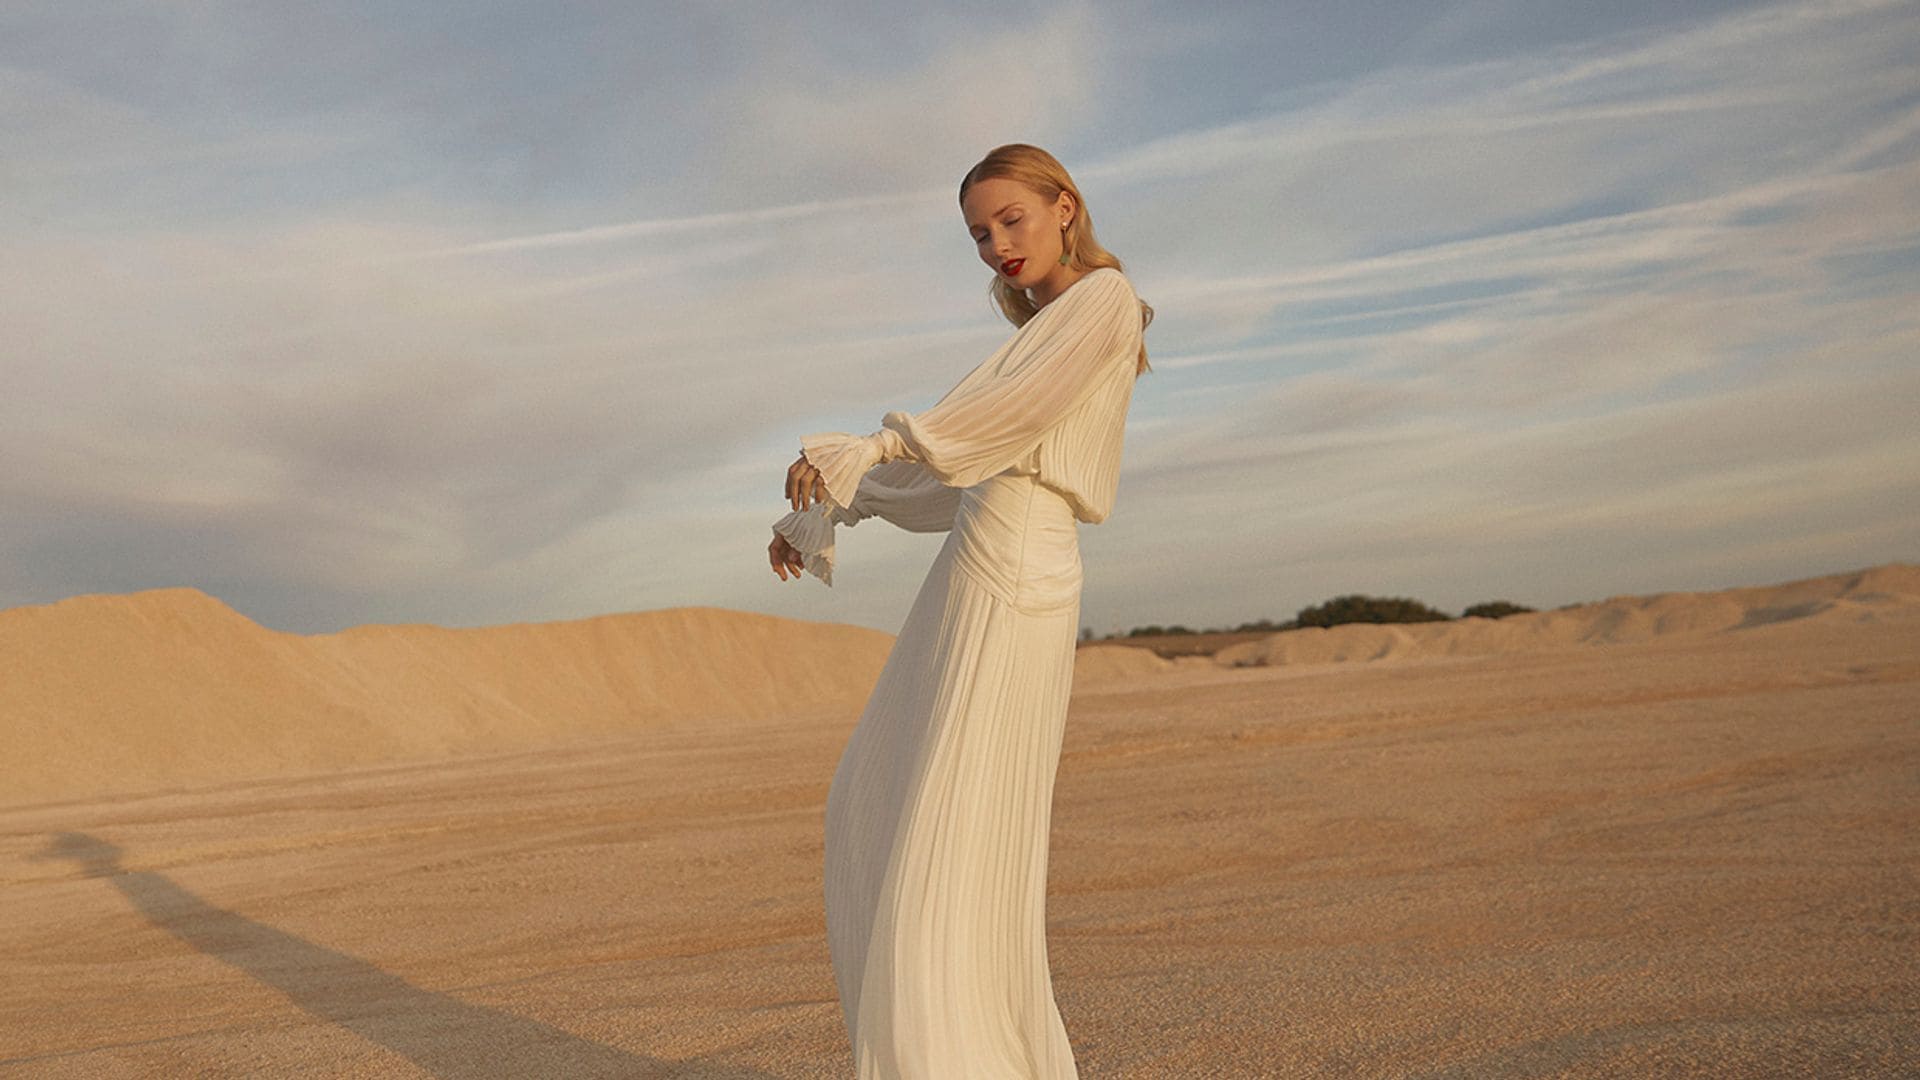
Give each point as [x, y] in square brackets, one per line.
[842, 460]
[810, 531]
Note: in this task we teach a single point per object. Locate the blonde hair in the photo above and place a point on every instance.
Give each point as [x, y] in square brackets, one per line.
[1044, 174]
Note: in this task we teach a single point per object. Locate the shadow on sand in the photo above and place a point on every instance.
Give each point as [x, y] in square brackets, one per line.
[443, 1035]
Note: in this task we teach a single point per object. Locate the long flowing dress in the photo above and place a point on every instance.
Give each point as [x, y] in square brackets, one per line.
[938, 816]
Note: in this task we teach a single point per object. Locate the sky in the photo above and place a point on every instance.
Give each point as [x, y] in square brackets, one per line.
[492, 312]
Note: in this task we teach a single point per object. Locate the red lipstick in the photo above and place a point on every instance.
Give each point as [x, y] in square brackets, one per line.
[1012, 266]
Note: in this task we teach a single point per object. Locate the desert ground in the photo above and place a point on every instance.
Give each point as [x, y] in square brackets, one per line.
[1672, 835]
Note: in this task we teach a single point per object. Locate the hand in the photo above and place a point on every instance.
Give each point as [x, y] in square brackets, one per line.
[804, 484]
[785, 558]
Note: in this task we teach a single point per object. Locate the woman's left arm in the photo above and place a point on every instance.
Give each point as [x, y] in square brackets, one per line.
[992, 419]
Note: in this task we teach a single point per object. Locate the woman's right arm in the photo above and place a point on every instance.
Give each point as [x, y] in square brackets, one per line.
[906, 494]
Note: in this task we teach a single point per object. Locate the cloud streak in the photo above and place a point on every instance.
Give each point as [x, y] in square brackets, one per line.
[1539, 323]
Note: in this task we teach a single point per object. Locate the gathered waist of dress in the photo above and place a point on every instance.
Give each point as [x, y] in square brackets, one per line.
[1019, 538]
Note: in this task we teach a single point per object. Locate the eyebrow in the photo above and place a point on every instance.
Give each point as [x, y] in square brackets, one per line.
[998, 212]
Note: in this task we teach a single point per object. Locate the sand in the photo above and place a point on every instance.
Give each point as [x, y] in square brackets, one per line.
[1655, 836]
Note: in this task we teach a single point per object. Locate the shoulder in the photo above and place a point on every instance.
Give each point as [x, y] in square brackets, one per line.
[1104, 287]
[1114, 297]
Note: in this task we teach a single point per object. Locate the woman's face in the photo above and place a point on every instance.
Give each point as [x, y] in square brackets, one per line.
[1016, 232]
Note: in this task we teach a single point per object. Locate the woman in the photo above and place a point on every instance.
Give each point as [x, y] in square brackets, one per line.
[937, 819]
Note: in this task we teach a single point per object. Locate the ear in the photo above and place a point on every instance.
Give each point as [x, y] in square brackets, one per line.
[1063, 207]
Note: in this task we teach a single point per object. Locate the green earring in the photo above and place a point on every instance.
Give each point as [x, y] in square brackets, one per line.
[1063, 243]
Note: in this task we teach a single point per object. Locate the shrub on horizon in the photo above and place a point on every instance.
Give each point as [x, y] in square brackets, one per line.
[1358, 607]
[1494, 609]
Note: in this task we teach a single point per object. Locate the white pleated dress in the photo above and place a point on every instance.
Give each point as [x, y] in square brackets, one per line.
[938, 817]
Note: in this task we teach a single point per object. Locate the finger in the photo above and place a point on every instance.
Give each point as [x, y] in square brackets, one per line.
[783, 554]
[796, 479]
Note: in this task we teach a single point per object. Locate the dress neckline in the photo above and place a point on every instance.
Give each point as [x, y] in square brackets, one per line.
[1070, 288]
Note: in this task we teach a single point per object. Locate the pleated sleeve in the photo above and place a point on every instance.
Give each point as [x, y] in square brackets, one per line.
[901, 492]
[905, 494]
[1003, 409]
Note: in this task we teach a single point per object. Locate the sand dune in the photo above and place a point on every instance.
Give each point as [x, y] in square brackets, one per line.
[1095, 664]
[1862, 595]
[171, 688]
